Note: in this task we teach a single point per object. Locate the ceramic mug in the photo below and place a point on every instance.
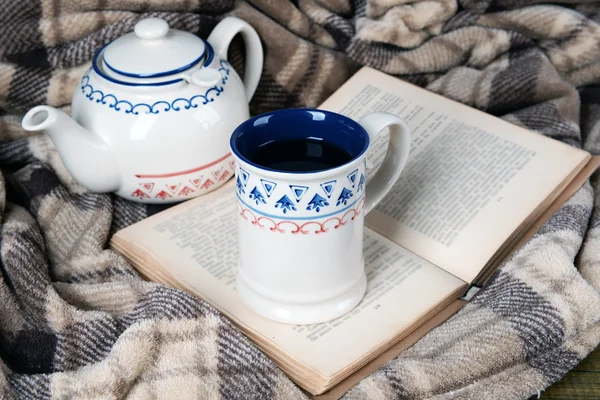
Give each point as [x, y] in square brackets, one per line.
[301, 232]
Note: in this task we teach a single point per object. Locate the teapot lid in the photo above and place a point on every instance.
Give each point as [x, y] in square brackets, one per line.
[153, 50]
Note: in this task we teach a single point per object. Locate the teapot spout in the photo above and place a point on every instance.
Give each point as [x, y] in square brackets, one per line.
[84, 153]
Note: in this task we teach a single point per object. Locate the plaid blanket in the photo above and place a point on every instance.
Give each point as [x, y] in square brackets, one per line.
[76, 322]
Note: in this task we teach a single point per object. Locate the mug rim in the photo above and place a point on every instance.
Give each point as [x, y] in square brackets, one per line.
[250, 121]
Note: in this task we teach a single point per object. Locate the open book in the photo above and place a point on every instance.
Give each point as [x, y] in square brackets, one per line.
[472, 189]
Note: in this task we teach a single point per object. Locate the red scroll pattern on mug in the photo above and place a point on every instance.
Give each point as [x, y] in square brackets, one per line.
[305, 228]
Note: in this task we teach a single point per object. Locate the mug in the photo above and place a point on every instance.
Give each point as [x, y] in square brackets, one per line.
[300, 231]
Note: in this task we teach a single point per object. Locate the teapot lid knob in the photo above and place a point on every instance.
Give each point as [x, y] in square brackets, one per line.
[151, 28]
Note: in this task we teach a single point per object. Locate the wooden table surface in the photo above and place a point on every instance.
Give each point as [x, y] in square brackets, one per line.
[583, 382]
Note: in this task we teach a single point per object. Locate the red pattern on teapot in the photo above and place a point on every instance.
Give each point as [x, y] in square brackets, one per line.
[196, 182]
[174, 188]
[138, 193]
[207, 184]
[189, 171]
[148, 186]
[224, 176]
[162, 195]
[186, 191]
[187, 188]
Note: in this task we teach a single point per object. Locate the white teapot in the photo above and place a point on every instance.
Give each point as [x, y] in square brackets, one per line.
[151, 119]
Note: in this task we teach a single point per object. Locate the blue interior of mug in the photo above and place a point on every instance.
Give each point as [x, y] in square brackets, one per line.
[298, 123]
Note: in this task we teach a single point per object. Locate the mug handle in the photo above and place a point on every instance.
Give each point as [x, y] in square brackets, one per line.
[395, 158]
[220, 39]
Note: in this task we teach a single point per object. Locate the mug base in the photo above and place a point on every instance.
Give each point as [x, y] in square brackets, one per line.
[302, 314]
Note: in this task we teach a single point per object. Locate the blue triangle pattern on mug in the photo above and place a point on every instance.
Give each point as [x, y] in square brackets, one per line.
[245, 176]
[352, 177]
[257, 196]
[317, 203]
[328, 187]
[269, 186]
[344, 197]
[240, 187]
[361, 182]
[285, 204]
[298, 191]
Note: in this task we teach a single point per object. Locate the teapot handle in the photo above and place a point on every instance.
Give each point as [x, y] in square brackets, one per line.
[221, 37]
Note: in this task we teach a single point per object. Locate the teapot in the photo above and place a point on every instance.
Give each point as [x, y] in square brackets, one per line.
[152, 117]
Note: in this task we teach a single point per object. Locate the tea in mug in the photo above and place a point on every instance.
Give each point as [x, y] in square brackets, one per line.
[300, 155]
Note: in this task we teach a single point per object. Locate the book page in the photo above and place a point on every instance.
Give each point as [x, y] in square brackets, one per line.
[196, 243]
[470, 181]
